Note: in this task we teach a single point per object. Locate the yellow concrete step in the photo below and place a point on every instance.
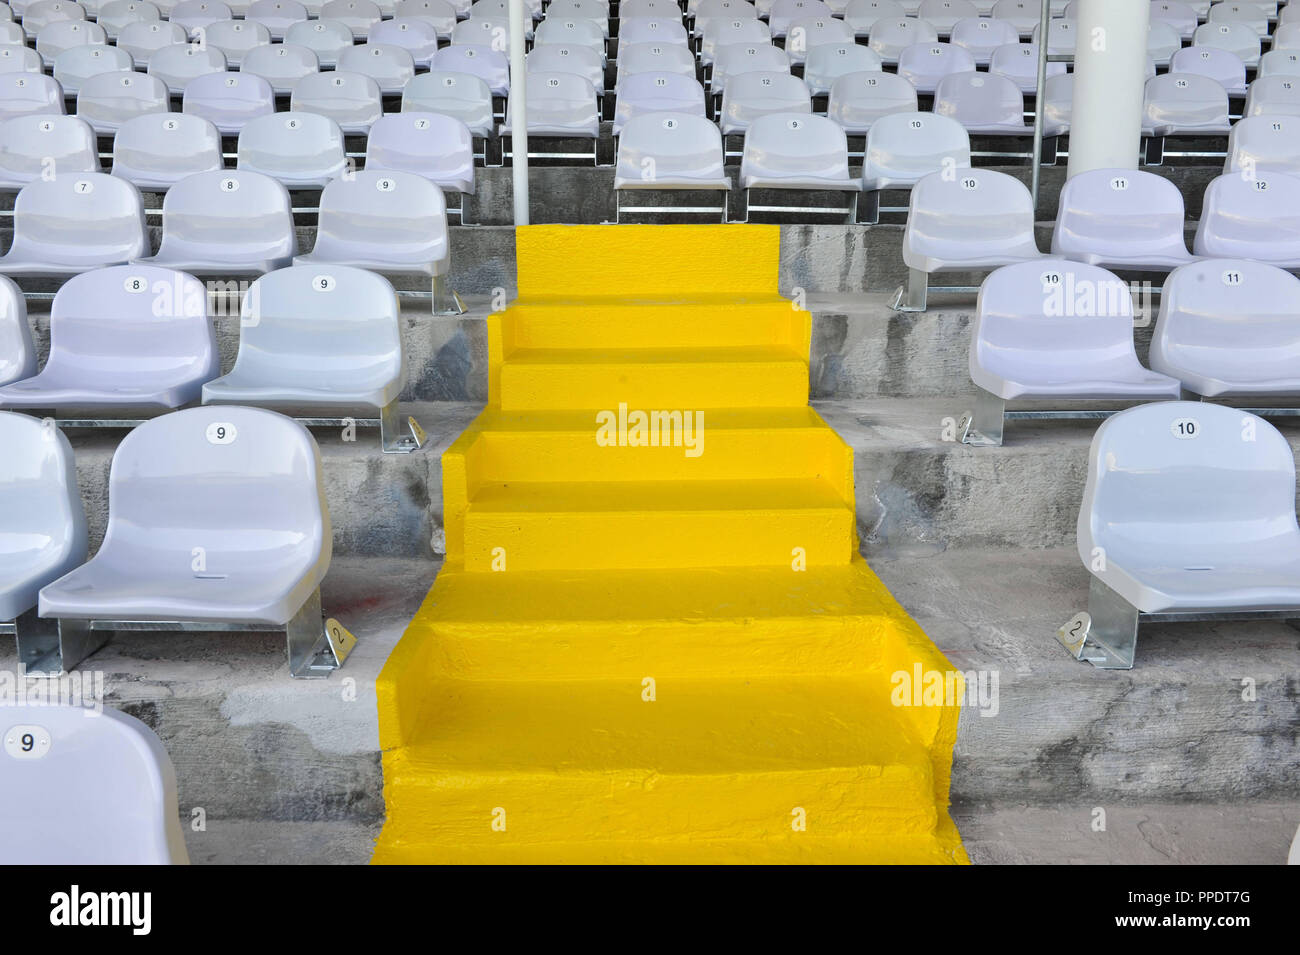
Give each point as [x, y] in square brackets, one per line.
[723, 444]
[704, 321]
[651, 379]
[527, 526]
[719, 758]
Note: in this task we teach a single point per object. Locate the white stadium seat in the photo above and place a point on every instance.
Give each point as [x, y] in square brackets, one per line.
[1251, 218]
[857, 100]
[904, 148]
[358, 15]
[235, 38]
[67, 34]
[1223, 65]
[391, 67]
[416, 35]
[487, 64]
[324, 338]
[889, 38]
[302, 150]
[644, 93]
[1181, 103]
[808, 34]
[944, 14]
[1018, 62]
[982, 35]
[737, 58]
[1230, 328]
[1181, 16]
[1190, 515]
[44, 534]
[228, 100]
[461, 95]
[113, 349]
[1052, 330]
[561, 105]
[1239, 39]
[103, 791]
[156, 152]
[861, 15]
[671, 151]
[582, 60]
[116, 14]
[828, 62]
[977, 220]
[983, 103]
[243, 484]
[228, 222]
[195, 15]
[1264, 144]
[25, 94]
[17, 351]
[282, 65]
[796, 151]
[1121, 218]
[69, 224]
[33, 147]
[107, 100]
[1273, 96]
[751, 95]
[352, 100]
[439, 148]
[143, 39]
[276, 15]
[326, 38]
[74, 66]
[925, 64]
[178, 64]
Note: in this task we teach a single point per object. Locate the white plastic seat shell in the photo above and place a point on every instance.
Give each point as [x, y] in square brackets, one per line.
[44, 533]
[1054, 329]
[438, 147]
[1230, 327]
[129, 816]
[66, 225]
[155, 152]
[1121, 218]
[107, 100]
[229, 100]
[127, 339]
[299, 149]
[178, 64]
[245, 484]
[74, 66]
[668, 150]
[644, 93]
[17, 351]
[903, 148]
[389, 222]
[326, 38]
[1204, 523]
[24, 94]
[225, 222]
[309, 319]
[751, 95]
[462, 95]
[796, 151]
[32, 147]
[979, 219]
[352, 100]
[282, 65]
[857, 100]
[1256, 218]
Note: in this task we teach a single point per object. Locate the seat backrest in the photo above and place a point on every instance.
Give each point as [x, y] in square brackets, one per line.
[375, 210]
[390, 66]
[651, 30]
[1175, 97]
[1049, 315]
[982, 207]
[44, 12]
[1238, 38]
[1256, 217]
[1126, 210]
[658, 9]
[359, 15]
[719, 32]
[723, 10]
[62, 35]
[656, 58]
[1250, 14]
[143, 38]
[461, 95]
[326, 38]
[478, 60]
[889, 37]
[1173, 481]
[235, 37]
[280, 64]
[925, 63]
[917, 143]
[438, 147]
[22, 94]
[178, 64]
[643, 93]
[809, 30]
[107, 100]
[1228, 319]
[292, 146]
[415, 34]
[438, 13]
[158, 151]
[1163, 41]
[345, 97]
[17, 352]
[944, 13]
[737, 58]
[492, 32]
[115, 14]
[573, 32]
[763, 91]
[221, 96]
[86, 788]
[91, 219]
[1264, 144]
[276, 15]
[73, 66]
[1062, 35]
[20, 59]
[234, 207]
[35, 146]
[979, 99]
[247, 481]
[583, 60]
[1223, 65]
[857, 100]
[795, 146]
[1273, 96]
[193, 14]
[118, 321]
[983, 33]
[1019, 62]
[665, 146]
[1279, 63]
[306, 321]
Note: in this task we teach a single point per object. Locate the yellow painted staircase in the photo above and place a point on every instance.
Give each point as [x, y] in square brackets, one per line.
[653, 639]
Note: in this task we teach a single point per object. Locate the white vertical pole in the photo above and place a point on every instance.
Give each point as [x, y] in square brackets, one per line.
[519, 112]
[1109, 83]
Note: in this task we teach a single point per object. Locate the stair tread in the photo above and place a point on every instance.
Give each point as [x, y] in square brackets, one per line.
[629, 596]
[560, 421]
[738, 354]
[539, 498]
[695, 727]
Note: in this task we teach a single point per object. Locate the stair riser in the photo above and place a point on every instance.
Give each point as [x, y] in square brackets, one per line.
[656, 539]
[654, 387]
[499, 457]
[649, 326]
[645, 804]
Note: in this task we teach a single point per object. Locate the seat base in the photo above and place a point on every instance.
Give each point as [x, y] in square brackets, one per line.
[1106, 636]
[316, 649]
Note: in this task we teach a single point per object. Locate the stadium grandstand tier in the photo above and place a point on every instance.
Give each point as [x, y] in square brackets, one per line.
[273, 347]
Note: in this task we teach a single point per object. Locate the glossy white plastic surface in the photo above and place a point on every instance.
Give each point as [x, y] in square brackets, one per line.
[69, 224]
[1256, 218]
[35, 146]
[903, 148]
[299, 149]
[1121, 218]
[461, 95]
[978, 220]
